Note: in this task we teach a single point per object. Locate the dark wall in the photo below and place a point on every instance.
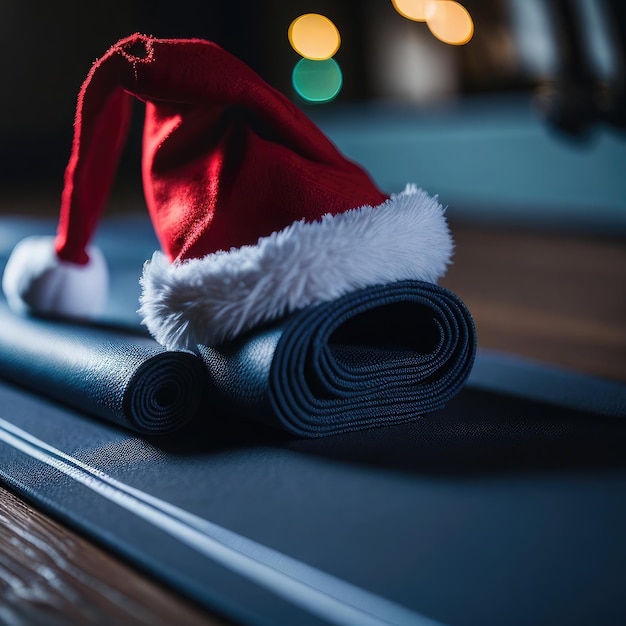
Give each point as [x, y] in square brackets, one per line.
[47, 48]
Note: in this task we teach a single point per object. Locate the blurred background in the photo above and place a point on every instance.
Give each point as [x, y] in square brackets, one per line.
[523, 121]
[512, 111]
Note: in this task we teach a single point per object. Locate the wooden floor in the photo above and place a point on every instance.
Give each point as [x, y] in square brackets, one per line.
[558, 299]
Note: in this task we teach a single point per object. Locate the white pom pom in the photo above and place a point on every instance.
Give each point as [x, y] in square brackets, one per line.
[36, 280]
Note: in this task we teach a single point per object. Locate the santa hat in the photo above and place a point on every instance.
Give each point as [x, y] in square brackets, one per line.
[256, 211]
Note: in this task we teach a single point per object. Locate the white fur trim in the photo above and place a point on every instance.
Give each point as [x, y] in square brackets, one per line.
[216, 297]
[36, 280]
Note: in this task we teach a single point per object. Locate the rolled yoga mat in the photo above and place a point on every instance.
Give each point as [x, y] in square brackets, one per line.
[381, 355]
[115, 375]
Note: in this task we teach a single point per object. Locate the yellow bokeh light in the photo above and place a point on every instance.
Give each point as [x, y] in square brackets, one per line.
[314, 37]
[450, 22]
[415, 10]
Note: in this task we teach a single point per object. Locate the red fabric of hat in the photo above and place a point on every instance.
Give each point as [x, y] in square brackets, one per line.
[256, 211]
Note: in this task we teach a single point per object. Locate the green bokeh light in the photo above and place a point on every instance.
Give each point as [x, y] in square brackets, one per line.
[317, 81]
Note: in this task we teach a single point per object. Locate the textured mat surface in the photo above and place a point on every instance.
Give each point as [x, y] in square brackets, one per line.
[113, 375]
[378, 356]
[505, 507]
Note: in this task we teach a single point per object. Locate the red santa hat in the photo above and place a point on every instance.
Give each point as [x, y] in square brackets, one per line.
[257, 213]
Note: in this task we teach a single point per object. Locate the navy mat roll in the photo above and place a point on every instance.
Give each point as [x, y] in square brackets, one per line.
[381, 355]
[117, 376]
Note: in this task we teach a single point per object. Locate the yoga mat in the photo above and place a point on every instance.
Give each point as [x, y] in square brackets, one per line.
[507, 494]
[514, 490]
[381, 355]
[377, 356]
[111, 374]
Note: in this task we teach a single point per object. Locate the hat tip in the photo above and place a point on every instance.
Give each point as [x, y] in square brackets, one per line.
[36, 280]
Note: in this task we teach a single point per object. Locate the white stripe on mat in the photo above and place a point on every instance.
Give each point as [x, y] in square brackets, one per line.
[311, 589]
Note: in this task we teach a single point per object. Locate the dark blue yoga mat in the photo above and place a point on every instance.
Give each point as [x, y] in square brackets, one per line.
[377, 356]
[505, 507]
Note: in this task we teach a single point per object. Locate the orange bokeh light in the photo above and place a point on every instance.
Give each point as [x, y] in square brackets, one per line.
[415, 10]
[314, 37]
[450, 22]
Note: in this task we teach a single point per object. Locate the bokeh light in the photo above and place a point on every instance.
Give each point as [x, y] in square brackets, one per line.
[314, 37]
[449, 21]
[412, 9]
[317, 81]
